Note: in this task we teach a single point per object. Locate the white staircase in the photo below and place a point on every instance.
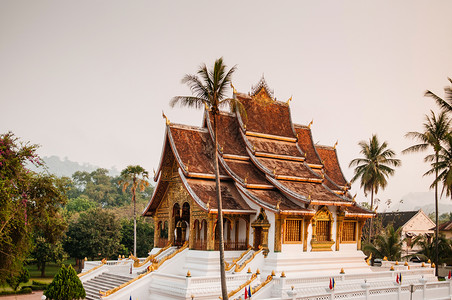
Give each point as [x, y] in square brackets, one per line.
[103, 282]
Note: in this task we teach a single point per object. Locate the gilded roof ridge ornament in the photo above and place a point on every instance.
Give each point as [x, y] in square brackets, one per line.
[166, 118]
[335, 144]
[233, 88]
[310, 123]
[288, 100]
[354, 197]
[262, 84]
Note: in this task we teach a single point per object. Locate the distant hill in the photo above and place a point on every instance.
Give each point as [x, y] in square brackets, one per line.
[424, 201]
[65, 167]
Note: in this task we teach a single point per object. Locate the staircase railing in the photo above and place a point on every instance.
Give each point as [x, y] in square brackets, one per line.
[151, 268]
[137, 263]
[92, 269]
[231, 293]
[257, 288]
[229, 267]
[240, 268]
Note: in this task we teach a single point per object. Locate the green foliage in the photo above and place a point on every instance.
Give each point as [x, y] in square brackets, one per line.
[388, 244]
[15, 280]
[14, 202]
[65, 285]
[95, 234]
[145, 236]
[427, 248]
[80, 204]
[44, 252]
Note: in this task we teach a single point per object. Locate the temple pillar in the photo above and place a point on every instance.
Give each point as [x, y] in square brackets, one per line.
[306, 222]
[191, 234]
[247, 231]
[361, 223]
[211, 232]
[171, 228]
[156, 231]
[339, 224]
[265, 239]
[279, 220]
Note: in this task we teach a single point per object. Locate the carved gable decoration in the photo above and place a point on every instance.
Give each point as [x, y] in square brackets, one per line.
[261, 220]
[261, 92]
[323, 214]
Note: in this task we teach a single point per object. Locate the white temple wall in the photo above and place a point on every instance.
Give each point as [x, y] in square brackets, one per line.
[271, 230]
[242, 230]
[333, 210]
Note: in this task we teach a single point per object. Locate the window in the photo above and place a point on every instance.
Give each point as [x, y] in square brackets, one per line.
[292, 232]
[323, 231]
[349, 232]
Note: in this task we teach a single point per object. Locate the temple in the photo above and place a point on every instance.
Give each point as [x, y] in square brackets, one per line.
[279, 190]
[291, 228]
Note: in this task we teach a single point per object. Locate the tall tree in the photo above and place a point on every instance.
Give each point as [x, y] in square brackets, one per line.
[436, 130]
[209, 90]
[14, 198]
[136, 177]
[374, 168]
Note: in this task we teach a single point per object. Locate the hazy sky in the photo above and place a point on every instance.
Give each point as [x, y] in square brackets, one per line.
[89, 79]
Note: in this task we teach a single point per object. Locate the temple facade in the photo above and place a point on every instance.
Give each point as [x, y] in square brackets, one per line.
[280, 192]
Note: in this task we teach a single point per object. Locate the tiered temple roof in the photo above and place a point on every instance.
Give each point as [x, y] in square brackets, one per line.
[264, 159]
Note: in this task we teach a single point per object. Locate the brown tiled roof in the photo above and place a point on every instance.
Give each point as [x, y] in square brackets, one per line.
[274, 146]
[306, 144]
[229, 136]
[315, 191]
[357, 210]
[246, 169]
[230, 197]
[286, 168]
[331, 164]
[447, 226]
[194, 147]
[276, 115]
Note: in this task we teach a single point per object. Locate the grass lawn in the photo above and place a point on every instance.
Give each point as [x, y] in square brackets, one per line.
[35, 274]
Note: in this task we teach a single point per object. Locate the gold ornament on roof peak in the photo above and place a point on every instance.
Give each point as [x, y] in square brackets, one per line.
[288, 100]
[310, 123]
[335, 144]
[166, 118]
[233, 89]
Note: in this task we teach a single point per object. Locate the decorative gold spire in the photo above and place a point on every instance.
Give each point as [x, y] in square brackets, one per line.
[288, 100]
[166, 119]
[310, 123]
[233, 89]
[274, 172]
[354, 197]
[335, 144]
[277, 204]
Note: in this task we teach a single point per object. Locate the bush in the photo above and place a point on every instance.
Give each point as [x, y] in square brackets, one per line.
[65, 285]
[25, 290]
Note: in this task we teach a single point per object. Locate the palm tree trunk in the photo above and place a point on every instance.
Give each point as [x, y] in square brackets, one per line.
[371, 208]
[134, 221]
[436, 216]
[224, 289]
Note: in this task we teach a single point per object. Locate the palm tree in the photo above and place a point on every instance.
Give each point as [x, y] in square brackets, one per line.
[436, 129]
[443, 166]
[374, 168]
[446, 103]
[136, 177]
[387, 244]
[427, 248]
[210, 91]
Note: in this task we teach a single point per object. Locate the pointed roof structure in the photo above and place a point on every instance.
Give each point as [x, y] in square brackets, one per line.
[264, 158]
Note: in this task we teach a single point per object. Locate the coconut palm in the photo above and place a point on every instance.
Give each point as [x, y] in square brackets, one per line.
[427, 248]
[443, 166]
[374, 169]
[436, 130]
[209, 90]
[386, 244]
[136, 177]
[446, 103]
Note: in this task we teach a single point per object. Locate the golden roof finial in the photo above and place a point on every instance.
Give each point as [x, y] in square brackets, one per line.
[277, 204]
[233, 89]
[310, 123]
[165, 117]
[335, 144]
[246, 179]
[154, 171]
[288, 101]
[354, 197]
[274, 172]
[208, 205]
[309, 197]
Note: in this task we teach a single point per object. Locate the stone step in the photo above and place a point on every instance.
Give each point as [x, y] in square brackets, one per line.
[107, 281]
